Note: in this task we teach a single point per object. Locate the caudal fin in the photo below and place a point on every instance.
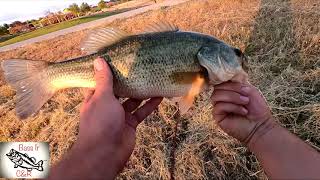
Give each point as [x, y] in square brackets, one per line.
[40, 165]
[29, 79]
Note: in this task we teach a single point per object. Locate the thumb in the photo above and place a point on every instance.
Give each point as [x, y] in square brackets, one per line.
[103, 77]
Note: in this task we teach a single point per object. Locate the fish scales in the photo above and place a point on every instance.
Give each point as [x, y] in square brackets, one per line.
[143, 66]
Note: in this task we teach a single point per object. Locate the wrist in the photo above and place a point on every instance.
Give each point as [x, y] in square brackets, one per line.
[260, 133]
[98, 155]
[88, 162]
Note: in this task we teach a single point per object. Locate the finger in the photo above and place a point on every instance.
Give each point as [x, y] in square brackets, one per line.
[88, 94]
[144, 111]
[229, 96]
[131, 104]
[243, 89]
[222, 109]
[103, 77]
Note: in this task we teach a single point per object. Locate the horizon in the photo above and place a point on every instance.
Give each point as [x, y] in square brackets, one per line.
[23, 10]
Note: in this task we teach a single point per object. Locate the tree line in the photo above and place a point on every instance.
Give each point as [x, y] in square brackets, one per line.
[84, 8]
[74, 8]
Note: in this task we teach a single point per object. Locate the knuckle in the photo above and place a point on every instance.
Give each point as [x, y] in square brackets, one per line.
[217, 93]
[235, 86]
[238, 97]
[238, 87]
[213, 96]
[215, 110]
[218, 107]
[238, 109]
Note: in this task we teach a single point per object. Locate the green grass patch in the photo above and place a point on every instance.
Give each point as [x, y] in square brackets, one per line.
[59, 26]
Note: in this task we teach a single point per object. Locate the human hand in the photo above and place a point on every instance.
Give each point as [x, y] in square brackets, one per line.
[107, 127]
[241, 111]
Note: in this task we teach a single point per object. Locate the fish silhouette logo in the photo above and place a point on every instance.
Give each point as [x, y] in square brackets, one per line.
[24, 161]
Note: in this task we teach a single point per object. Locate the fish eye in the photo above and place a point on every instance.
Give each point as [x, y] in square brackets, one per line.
[238, 52]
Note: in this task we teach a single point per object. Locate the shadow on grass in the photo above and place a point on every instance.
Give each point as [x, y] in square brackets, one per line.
[273, 39]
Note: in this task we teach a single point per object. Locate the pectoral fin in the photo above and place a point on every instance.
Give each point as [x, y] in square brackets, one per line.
[185, 104]
[186, 101]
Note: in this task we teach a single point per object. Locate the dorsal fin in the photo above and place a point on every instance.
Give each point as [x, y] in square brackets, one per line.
[162, 26]
[102, 37]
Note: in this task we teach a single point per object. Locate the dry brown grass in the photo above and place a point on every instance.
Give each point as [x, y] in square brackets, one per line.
[282, 39]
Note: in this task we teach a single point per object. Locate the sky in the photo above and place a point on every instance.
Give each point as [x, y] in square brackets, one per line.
[21, 10]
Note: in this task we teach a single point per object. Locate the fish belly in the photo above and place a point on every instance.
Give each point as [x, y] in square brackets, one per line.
[143, 90]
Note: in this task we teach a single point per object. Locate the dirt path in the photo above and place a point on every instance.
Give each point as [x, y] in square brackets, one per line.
[91, 24]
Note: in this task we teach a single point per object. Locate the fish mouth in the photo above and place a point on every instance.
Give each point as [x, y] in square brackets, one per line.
[244, 63]
[222, 63]
[218, 74]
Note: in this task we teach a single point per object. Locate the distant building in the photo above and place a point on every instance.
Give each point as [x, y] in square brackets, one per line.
[19, 27]
[110, 4]
[53, 18]
[69, 16]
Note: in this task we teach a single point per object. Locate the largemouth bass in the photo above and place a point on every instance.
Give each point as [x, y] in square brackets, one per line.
[24, 161]
[160, 62]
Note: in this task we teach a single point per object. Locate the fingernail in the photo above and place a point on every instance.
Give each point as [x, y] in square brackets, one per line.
[245, 89]
[98, 64]
[244, 110]
[244, 98]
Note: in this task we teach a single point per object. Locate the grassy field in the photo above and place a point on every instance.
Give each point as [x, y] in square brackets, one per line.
[282, 40]
[59, 26]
